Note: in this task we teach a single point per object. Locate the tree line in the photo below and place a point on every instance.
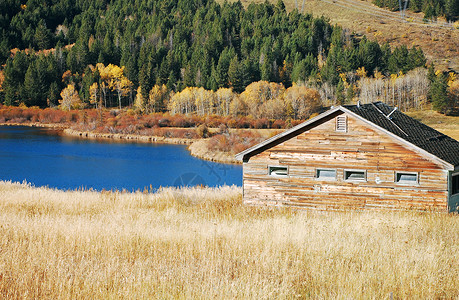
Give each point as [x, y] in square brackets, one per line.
[185, 43]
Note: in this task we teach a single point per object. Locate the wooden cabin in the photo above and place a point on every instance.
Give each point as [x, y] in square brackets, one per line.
[355, 157]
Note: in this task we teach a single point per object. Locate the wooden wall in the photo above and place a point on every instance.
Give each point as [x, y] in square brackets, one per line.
[362, 147]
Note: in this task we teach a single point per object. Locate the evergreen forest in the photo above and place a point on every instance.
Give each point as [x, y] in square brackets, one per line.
[115, 53]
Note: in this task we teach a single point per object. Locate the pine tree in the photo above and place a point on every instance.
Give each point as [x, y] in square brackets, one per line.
[53, 94]
[439, 93]
[235, 75]
[340, 98]
[42, 36]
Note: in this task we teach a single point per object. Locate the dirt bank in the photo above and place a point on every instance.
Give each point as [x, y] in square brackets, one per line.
[199, 149]
[128, 137]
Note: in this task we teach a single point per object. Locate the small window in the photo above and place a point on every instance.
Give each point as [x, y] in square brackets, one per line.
[326, 174]
[278, 171]
[341, 123]
[407, 178]
[355, 175]
[455, 184]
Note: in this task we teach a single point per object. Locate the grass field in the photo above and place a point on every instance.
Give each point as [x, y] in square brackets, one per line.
[440, 44]
[203, 243]
[445, 124]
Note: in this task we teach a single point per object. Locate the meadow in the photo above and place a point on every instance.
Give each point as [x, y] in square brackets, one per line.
[204, 243]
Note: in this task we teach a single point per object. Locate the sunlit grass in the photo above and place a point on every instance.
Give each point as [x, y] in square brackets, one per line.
[204, 243]
[448, 125]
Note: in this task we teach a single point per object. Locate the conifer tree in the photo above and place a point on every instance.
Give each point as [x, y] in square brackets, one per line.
[439, 93]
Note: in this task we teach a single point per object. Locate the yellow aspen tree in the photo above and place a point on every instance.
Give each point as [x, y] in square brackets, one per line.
[116, 81]
[260, 92]
[173, 105]
[94, 93]
[113, 79]
[223, 99]
[210, 101]
[122, 86]
[104, 76]
[156, 98]
[378, 75]
[140, 101]
[203, 100]
[304, 101]
[188, 100]
[103, 71]
[273, 109]
[344, 79]
[238, 106]
[70, 98]
[104, 89]
[181, 102]
[361, 72]
[254, 95]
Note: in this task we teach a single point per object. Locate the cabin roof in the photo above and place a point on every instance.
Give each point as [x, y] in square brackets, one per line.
[384, 117]
[411, 130]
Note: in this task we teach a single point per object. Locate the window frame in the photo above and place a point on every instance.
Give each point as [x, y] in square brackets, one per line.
[278, 167]
[406, 182]
[346, 178]
[454, 175]
[317, 177]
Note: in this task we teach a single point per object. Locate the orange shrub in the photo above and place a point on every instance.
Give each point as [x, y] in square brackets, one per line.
[260, 123]
[164, 122]
[234, 143]
[122, 121]
[278, 124]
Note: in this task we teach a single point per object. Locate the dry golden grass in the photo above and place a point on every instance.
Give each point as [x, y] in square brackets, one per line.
[203, 243]
[448, 125]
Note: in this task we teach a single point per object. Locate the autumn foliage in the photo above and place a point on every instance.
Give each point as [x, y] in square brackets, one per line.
[119, 120]
[234, 142]
[70, 99]
[261, 100]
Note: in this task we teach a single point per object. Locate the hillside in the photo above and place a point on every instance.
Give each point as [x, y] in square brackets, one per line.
[126, 54]
[439, 42]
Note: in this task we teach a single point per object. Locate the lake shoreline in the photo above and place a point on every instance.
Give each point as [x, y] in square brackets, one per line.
[196, 147]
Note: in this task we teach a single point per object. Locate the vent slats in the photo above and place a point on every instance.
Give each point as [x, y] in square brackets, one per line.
[341, 123]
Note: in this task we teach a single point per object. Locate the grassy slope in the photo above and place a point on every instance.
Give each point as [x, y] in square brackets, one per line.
[445, 124]
[196, 243]
[440, 45]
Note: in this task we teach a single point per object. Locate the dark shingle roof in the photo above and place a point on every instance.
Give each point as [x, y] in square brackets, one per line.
[409, 129]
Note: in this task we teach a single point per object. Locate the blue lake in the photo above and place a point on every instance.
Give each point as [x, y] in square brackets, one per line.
[44, 157]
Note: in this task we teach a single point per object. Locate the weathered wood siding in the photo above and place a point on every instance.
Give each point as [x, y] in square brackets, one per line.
[362, 147]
